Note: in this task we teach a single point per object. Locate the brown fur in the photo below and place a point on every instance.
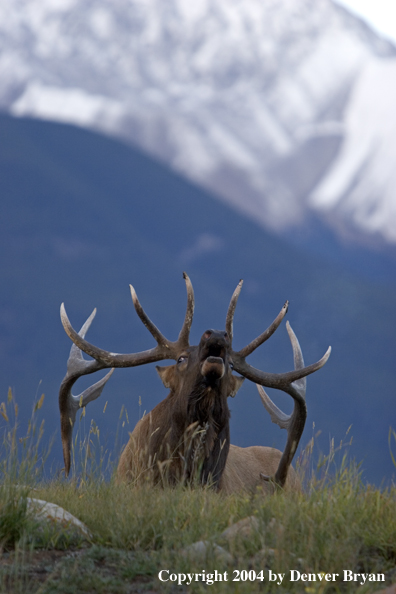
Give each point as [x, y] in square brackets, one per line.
[160, 464]
[186, 437]
[245, 466]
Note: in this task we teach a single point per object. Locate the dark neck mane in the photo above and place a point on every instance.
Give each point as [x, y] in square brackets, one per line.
[208, 417]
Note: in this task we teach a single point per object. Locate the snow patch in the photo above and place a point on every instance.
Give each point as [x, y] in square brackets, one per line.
[73, 106]
[102, 23]
[362, 180]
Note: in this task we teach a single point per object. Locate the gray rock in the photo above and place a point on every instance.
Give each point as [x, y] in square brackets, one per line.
[43, 511]
[202, 549]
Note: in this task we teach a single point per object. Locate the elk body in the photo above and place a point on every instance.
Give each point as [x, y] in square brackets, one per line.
[186, 437]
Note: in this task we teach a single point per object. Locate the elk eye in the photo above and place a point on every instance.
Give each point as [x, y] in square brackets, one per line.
[182, 359]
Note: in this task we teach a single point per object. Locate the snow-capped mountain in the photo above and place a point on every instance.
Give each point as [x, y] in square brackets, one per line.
[282, 108]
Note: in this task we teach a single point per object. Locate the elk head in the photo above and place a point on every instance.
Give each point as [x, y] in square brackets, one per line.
[200, 382]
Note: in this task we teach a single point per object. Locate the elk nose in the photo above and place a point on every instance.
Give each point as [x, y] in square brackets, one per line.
[215, 335]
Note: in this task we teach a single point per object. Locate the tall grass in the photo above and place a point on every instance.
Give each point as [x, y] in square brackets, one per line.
[21, 458]
[91, 461]
[22, 461]
[336, 523]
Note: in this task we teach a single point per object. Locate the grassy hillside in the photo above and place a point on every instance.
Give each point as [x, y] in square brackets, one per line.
[137, 535]
[82, 216]
[145, 539]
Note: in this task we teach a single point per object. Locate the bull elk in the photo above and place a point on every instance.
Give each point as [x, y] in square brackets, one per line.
[187, 435]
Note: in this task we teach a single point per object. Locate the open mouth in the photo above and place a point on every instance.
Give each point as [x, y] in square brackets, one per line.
[213, 366]
[214, 351]
[213, 354]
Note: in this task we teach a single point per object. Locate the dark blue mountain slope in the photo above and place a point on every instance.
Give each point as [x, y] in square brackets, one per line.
[82, 216]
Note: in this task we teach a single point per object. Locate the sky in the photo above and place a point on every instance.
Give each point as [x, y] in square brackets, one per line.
[379, 14]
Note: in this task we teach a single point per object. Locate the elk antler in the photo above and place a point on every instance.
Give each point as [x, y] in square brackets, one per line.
[165, 348]
[77, 366]
[291, 382]
[280, 381]
[247, 350]
[294, 423]
[69, 404]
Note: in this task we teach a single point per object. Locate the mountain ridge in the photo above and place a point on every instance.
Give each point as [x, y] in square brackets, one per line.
[260, 104]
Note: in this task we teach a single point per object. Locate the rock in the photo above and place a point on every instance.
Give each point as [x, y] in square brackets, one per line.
[43, 511]
[265, 557]
[202, 549]
[242, 529]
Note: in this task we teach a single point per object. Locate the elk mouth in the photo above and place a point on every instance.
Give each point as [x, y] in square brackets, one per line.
[213, 365]
[213, 353]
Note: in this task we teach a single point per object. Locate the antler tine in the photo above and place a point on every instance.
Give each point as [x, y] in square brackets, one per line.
[294, 423]
[105, 359]
[231, 310]
[252, 346]
[298, 359]
[184, 335]
[68, 403]
[279, 381]
[152, 328]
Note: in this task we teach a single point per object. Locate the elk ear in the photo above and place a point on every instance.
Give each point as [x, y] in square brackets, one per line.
[236, 383]
[167, 375]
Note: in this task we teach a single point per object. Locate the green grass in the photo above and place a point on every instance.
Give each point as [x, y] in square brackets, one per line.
[337, 524]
